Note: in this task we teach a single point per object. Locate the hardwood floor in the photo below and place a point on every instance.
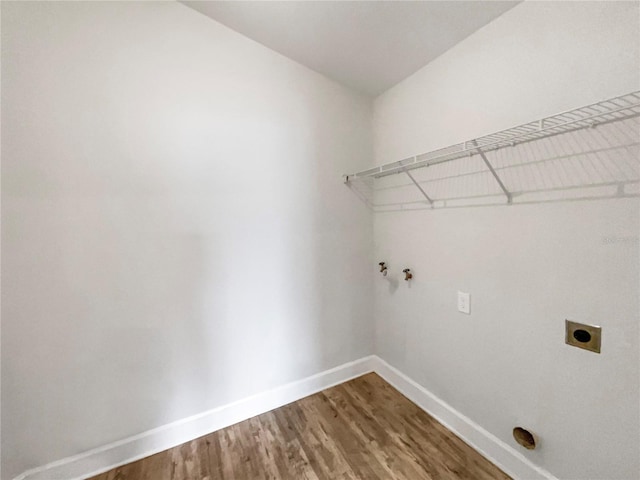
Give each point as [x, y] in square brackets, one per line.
[362, 429]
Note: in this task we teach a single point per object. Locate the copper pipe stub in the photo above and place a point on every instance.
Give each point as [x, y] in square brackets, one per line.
[407, 274]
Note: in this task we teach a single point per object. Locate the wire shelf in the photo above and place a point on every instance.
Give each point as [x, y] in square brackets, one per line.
[593, 146]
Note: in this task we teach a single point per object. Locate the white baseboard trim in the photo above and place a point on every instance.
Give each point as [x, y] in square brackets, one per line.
[491, 447]
[167, 436]
[130, 449]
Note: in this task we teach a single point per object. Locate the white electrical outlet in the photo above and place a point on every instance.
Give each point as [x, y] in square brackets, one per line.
[464, 303]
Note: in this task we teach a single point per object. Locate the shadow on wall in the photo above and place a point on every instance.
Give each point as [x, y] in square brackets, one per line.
[600, 162]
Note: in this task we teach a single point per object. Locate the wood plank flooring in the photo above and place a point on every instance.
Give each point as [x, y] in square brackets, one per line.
[362, 429]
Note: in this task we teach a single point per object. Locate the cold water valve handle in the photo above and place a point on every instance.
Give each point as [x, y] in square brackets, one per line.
[407, 274]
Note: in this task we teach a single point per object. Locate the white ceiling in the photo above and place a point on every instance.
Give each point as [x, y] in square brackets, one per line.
[366, 45]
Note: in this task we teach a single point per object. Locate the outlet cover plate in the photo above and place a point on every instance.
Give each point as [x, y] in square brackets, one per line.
[464, 303]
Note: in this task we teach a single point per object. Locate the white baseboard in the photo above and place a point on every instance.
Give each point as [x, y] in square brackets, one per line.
[491, 447]
[167, 436]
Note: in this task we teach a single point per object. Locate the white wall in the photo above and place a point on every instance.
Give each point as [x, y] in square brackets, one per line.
[175, 235]
[528, 268]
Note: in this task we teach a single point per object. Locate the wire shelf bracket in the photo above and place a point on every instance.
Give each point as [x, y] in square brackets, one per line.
[415, 182]
[493, 172]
